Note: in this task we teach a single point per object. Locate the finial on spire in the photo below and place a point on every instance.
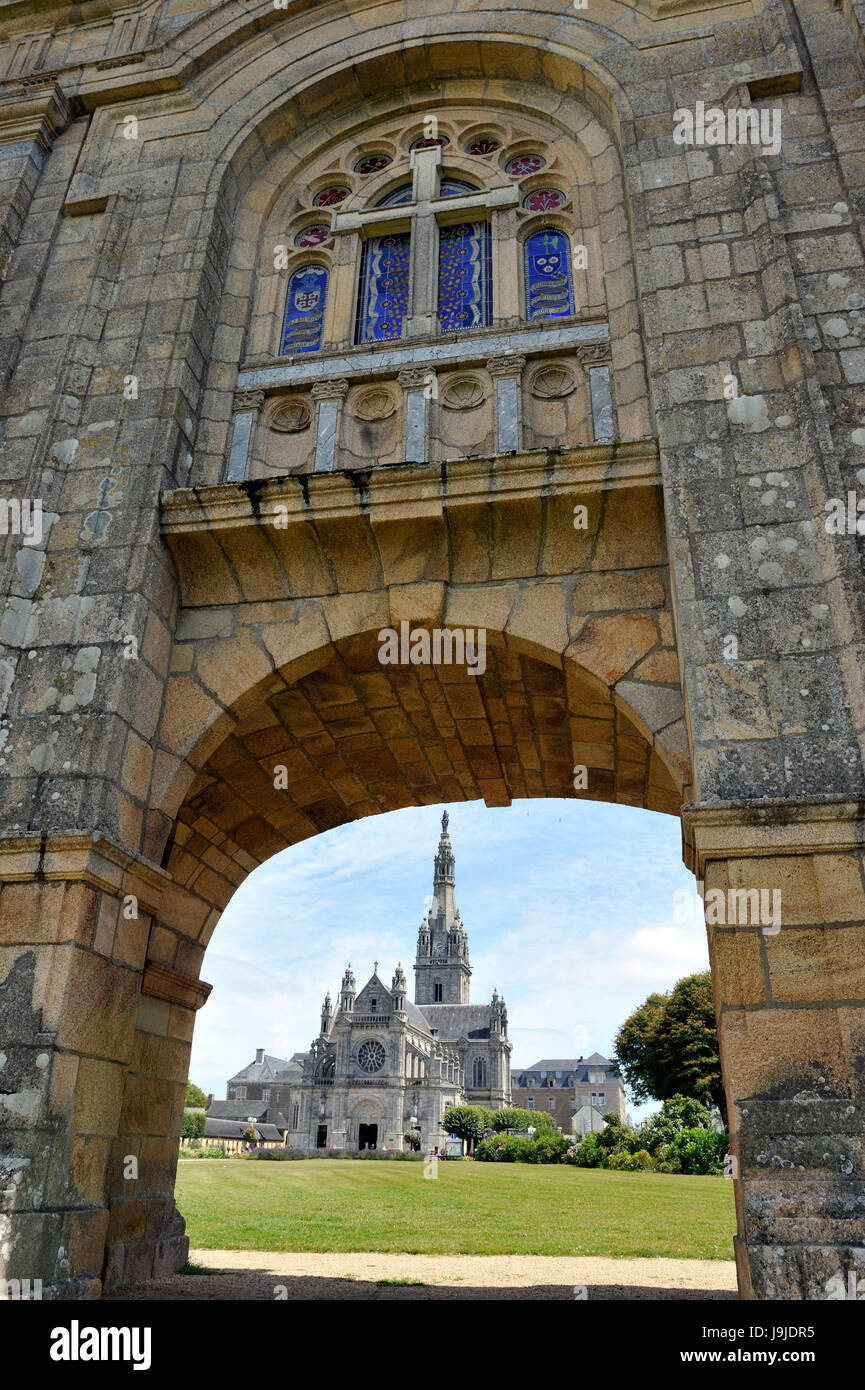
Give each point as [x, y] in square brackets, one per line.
[445, 820]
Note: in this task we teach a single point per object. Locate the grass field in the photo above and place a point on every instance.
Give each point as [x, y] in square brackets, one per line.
[470, 1209]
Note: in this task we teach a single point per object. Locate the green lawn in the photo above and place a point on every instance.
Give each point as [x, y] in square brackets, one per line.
[470, 1208]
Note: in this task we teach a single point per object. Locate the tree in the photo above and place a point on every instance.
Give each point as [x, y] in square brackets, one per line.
[466, 1122]
[192, 1126]
[514, 1117]
[669, 1045]
[195, 1097]
[635, 1048]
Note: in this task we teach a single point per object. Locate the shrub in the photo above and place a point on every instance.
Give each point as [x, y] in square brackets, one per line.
[697, 1151]
[277, 1154]
[590, 1153]
[678, 1113]
[639, 1162]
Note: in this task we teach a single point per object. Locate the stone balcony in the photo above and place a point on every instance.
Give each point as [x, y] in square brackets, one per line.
[544, 386]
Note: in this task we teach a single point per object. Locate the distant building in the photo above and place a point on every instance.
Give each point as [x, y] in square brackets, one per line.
[383, 1066]
[577, 1092]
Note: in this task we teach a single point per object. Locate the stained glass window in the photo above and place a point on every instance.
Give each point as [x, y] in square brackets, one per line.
[329, 197]
[372, 163]
[311, 236]
[486, 145]
[525, 164]
[304, 310]
[452, 188]
[549, 288]
[383, 298]
[543, 199]
[464, 277]
[396, 197]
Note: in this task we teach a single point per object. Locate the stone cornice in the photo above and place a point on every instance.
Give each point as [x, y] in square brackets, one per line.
[772, 826]
[161, 982]
[82, 856]
[33, 111]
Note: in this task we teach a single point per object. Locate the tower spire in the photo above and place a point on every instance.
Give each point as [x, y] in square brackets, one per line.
[442, 969]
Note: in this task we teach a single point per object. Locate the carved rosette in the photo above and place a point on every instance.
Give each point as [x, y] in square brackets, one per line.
[464, 392]
[552, 381]
[374, 403]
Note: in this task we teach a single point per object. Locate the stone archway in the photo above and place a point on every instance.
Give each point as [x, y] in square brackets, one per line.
[137, 796]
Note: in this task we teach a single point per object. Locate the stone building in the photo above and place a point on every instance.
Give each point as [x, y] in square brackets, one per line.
[577, 1092]
[382, 1066]
[316, 319]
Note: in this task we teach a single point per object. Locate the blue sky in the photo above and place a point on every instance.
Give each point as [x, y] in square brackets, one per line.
[570, 908]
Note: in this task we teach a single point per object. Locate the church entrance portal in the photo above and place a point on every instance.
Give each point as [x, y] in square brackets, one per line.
[367, 1136]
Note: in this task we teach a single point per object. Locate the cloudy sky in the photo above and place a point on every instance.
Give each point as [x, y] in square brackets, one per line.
[570, 907]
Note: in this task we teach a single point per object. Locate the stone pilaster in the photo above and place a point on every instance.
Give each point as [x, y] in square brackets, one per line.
[507, 373]
[785, 912]
[328, 396]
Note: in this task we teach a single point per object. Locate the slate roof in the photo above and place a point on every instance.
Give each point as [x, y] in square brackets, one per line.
[235, 1109]
[563, 1067]
[223, 1129]
[265, 1070]
[458, 1020]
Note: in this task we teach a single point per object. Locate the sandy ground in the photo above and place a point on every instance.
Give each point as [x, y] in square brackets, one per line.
[252, 1274]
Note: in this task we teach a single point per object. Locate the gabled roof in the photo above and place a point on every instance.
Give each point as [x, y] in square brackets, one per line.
[266, 1070]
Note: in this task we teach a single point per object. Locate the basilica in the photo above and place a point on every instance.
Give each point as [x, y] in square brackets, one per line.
[383, 1068]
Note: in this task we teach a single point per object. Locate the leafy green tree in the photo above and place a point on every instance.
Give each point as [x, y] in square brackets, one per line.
[514, 1117]
[195, 1097]
[669, 1045]
[192, 1126]
[676, 1114]
[466, 1122]
[636, 1048]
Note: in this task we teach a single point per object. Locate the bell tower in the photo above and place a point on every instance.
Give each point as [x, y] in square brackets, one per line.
[442, 970]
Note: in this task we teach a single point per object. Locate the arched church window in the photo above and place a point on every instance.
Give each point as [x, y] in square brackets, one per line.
[304, 310]
[479, 1073]
[464, 277]
[549, 286]
[383, 297]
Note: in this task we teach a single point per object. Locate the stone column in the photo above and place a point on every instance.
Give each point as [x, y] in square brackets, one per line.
[785, 913]
[595, 358]
[247, 408]
[507, 373]
[327, 395]
[420, 386]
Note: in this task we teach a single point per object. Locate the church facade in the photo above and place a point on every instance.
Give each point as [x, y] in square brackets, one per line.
[382, 1066]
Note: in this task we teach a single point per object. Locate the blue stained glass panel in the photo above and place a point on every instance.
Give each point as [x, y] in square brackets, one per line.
[464, 277]
[304, 310]
[383, 298]
[396, 197]
[549, 287]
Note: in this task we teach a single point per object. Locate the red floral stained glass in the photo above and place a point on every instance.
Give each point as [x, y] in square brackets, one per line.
[427, 143]
[525, 164]
[311, 236]
[372, 163]
[486, 145]
[329, 197]
[543, 199]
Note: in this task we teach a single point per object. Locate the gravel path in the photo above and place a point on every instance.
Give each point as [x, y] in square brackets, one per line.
[252, 1274]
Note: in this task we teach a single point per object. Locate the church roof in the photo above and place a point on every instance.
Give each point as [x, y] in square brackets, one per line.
[458, 1020]
[415, 1017]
